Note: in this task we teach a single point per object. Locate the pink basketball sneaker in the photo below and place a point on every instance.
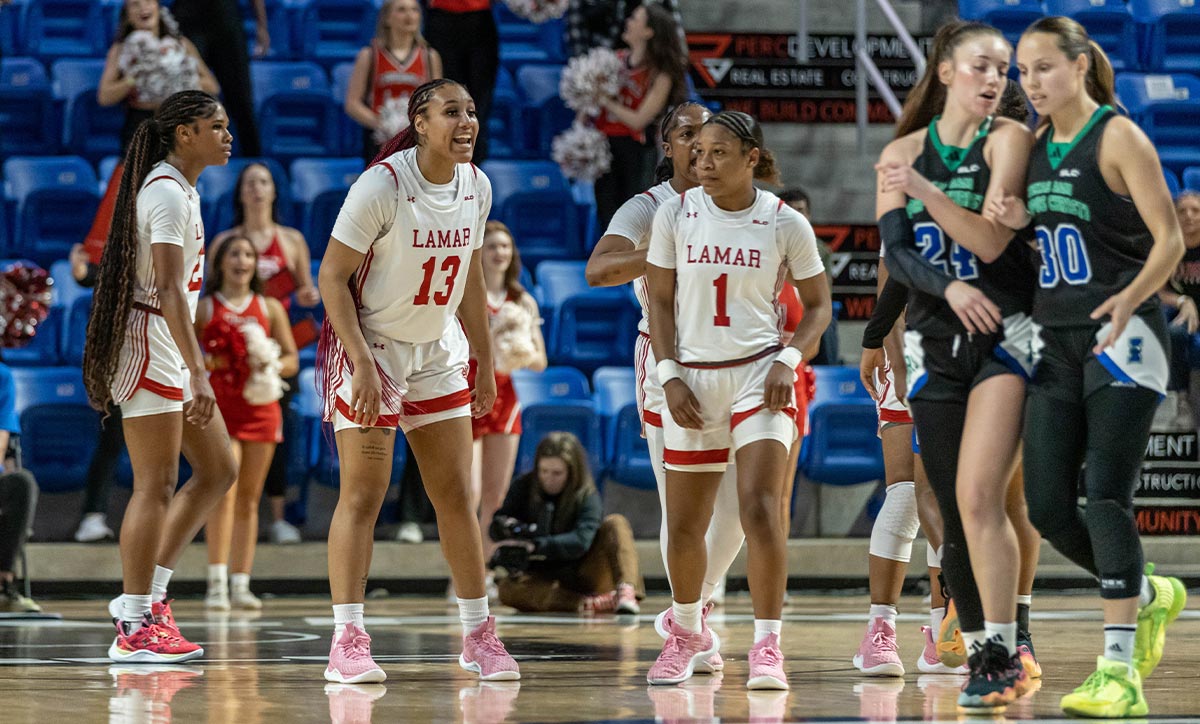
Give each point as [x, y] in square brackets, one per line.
[350, 659]
[766, 665]
[151, 644]
[877, 654]
[666, 618]
[485, 655]
[681, 652]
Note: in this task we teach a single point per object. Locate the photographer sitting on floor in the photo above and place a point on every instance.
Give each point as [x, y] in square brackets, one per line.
[554, 553]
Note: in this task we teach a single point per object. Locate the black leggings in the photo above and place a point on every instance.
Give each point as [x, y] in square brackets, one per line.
[103, 469]
[277, 476]
[1108, 431]
[469, 44]
[18, 499]
[632, 171]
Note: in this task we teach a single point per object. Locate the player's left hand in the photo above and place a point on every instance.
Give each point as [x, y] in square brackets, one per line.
[779, 387]
[904, 178]
[484, 394]
[1119, 308]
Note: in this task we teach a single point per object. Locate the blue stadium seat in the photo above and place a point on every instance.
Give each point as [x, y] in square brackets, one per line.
[513, 27]
[553, 384]
[74, 332]
[9, 19]
[1010, 16]
[506, 134]
[54, 198]
[27, 113]
[534, 200]
[1172, 182]
[1172, 40]
[626, 456]
[615, 386]
[1166, 107]
[89, 129]
[544, 115]
[547, 46]
[594, 327]
[71, 28]
[333, 31]
[560, 279]
[218, 184]
[104, 172]
[1109, 23]
[1191, 178]
[58, 427]
[350, 138]
[842, 448]
[43, 349]
[295, 114]
[280, 23]
[319, 187]
[574, 416]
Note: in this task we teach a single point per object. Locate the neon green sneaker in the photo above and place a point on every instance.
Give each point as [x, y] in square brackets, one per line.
[1170, 597]
[1113, 692]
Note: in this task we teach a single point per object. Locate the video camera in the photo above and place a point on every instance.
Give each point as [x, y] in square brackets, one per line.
[512, 559]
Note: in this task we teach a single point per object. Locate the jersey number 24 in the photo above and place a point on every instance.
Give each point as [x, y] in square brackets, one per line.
[931, 240]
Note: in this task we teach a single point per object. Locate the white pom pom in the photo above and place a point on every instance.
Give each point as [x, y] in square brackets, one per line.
[158, 66]
[591, 79]
[512, 338]
[582, 152]
[393, 118]
[537, 11]
[264, 385]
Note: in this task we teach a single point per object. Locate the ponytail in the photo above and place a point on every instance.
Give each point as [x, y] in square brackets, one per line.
[1101, 82]
[113, 298]
[409, 138]
[1073, 41]
[927, 98]
[766, 169]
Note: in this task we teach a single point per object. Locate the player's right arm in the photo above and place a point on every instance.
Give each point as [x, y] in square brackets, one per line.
[616, 259]
[660, 279]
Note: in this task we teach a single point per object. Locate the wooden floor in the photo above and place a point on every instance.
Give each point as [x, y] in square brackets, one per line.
[267, 668]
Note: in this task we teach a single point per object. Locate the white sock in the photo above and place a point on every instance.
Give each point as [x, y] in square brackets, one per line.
[1002, 633]
[1025, 600]
[133, 610]
[973, 640]
[218, 577]
[472, 612]
[885, 611]
[158, 587]
[935, 619]
[1118, 642]
[764, 627]
[345, 613]
[687, 615]
[1147, 593]
[239, 582]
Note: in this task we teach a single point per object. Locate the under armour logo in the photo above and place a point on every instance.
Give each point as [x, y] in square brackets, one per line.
[377, 345]
[691, 214]
[412, 199]
[1135, 350]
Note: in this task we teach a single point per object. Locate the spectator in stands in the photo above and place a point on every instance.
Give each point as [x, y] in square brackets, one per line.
[1179, 301]
[215, 26]
[656, 66]
[285, 268]
[559, 553]
[798, 199]
[387, 71]
[464, 33]
[245, 386]
[598, 23]
[18, 500]
[516, 344]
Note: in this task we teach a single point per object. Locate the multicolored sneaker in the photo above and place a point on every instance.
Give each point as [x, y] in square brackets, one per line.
[877, 653]
[681, 652]
[713, 663]
[161, 611]
[485, 655]
[951, 650]
[350, 659]
[627, 602]
[1114, 691]
[766, 665]
[995, 681]
[929, 663]
[152, 643]
[1028, 658]
[1170, 597]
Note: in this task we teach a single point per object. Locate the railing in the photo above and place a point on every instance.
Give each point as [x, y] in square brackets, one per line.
[866, 68]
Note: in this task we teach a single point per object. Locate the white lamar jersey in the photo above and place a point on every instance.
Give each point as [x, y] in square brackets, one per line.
[168, 212]
[635, 221]
[729, 269]
[418, 238]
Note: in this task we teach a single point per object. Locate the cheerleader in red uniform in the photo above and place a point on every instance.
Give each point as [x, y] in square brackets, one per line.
[517, 344]
[247, 382]
[397, 61]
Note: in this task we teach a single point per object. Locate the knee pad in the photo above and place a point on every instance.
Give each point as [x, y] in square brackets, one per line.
[933, 556]
[896, 525]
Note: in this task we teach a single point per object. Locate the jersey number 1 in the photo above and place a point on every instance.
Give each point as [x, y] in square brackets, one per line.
[721, 319]
[449, 265]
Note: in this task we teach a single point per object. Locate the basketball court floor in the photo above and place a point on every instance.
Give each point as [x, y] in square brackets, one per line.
[268, 668]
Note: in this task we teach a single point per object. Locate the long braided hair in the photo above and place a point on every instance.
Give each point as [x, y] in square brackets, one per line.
[746, 129]
[113, 298]
[416, 106]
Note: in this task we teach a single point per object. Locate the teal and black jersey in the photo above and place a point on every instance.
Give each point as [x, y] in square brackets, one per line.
[1092, 240]
[963, 174]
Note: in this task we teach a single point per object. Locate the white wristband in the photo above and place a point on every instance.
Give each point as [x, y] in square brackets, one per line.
[668, 369]
[789, 356]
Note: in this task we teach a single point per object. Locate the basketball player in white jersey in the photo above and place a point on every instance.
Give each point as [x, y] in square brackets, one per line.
[718, 257]
[403, 260]
[142, 354]
[619, 258]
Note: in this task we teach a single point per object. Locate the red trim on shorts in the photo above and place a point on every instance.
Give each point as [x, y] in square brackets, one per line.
[695, 457]
[649, 417]
[738, 418]
[895, 416]
[383, 421]
[437, 404]
[158, 388]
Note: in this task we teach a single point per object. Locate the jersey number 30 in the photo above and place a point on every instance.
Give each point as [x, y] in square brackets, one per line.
[449, 265]
[1064, 256]
[931, 240]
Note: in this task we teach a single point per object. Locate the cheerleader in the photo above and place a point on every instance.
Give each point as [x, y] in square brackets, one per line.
[248, 385]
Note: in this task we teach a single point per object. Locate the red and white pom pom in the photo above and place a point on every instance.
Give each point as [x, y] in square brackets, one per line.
[24, 303]
[264, 385]
[393, 118]
[158, 66]
[538, 11]
[591, 79]
[512, 338]
[582, 152]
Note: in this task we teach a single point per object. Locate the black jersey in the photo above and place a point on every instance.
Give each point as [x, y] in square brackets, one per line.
[1092, 240]
[963, 174]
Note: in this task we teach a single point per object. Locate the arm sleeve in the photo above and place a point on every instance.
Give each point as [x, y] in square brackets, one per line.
[888, 308]
[904, 261]
[573, 544]
[166, 209]
[368, 211]
[633, 221]
[799, 244]
[485, 206]
[662, 239]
